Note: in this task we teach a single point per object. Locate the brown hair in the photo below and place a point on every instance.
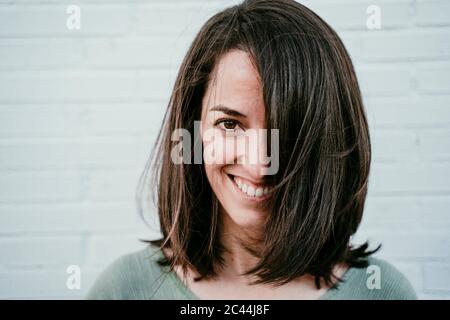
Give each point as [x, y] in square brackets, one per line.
[311, 94]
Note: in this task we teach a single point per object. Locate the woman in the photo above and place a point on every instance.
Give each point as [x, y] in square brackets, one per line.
[277, 228]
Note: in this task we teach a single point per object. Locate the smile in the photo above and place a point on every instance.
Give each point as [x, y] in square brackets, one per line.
[250, 190]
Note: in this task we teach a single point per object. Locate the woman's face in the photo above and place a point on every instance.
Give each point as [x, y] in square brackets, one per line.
[232, 111]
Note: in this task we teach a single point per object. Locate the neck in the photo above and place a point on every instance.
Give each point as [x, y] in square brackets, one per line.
[237, 258]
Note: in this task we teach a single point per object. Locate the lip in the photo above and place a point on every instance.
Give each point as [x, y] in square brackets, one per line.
[246, 196]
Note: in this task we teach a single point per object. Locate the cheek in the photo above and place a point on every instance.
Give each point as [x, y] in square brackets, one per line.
[216, 179]
[219, 150]
[217, 153]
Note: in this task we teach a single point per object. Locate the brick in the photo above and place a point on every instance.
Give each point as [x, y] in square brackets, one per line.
[353, 43]
[179, 19]
[434, 212]
[64, 86]
[384, 80]
[434, 79]
[32, 54]
[32, 284]
[40, 251]
[50, 20]
[50, 154]
[437, 276]
[432, 13]
[70, 218]
[351, 15]
[40, 186]
[406, 244]
[147, 52]
[409, 112]
[391, 213]
[390, 145]
[108, 184]
[122, 119]
[156, 85]
[405, 46]
[434, 144]
[78, 86]
[409, 177]
[47, 120]
[43, 284]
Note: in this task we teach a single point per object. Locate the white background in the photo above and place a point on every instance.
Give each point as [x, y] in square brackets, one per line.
[79, 110]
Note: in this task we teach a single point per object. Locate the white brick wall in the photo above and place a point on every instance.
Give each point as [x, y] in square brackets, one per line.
[79, 111]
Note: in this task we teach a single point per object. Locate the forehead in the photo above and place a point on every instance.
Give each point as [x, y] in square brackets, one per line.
[236, 83]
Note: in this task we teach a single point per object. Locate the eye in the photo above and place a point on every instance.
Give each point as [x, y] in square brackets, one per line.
[228, 125]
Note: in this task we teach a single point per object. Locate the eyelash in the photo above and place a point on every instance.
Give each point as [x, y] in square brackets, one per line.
[224, 120]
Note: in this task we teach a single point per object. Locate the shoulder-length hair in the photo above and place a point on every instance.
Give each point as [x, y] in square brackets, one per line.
[311, 95]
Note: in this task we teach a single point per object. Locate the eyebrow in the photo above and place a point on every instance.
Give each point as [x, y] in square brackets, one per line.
[228, 111]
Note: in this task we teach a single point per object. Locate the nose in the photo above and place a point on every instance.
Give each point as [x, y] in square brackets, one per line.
[252, 155]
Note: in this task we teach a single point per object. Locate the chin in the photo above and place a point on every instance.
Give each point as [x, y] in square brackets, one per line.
[244, 218]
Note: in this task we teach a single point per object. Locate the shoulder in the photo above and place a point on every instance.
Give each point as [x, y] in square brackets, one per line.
[396, 284]
[136, 275]
[381, 280]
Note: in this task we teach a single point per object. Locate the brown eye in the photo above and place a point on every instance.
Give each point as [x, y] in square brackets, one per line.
[229, 124]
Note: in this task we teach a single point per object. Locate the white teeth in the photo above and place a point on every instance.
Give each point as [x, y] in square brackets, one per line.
[250, 190]
[259, 192]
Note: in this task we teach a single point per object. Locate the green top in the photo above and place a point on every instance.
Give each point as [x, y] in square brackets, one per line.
[138, 276]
